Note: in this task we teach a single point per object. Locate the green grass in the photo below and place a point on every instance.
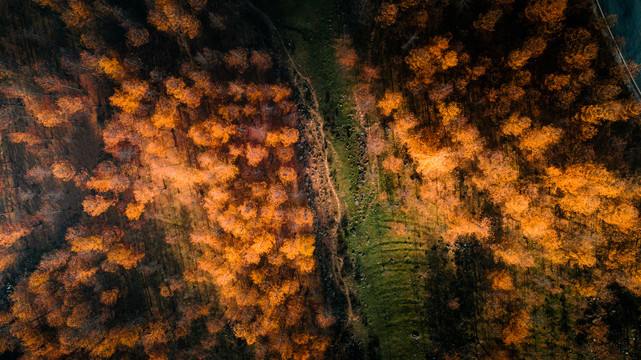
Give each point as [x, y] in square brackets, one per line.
[388, 285]
[391, 290]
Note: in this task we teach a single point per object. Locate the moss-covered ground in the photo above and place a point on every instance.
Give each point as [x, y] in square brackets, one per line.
[388, 265]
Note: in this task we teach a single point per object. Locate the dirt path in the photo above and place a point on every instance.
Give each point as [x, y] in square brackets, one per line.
[329, 207]
[304, 87]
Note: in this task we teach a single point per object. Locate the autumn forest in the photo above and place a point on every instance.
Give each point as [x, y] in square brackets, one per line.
[318, 179]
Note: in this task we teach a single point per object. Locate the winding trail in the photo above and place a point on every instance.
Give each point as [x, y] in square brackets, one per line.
[304, 87]
[376, 267]
[317, 168]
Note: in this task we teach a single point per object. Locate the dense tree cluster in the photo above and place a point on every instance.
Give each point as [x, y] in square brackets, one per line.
[504, 125]
[194, 226]
[156, 200]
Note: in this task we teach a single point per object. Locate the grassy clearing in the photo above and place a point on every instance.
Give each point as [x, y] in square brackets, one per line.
[390, 288]
[386, 264]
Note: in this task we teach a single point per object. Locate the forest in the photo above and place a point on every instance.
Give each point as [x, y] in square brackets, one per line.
[318, 179]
